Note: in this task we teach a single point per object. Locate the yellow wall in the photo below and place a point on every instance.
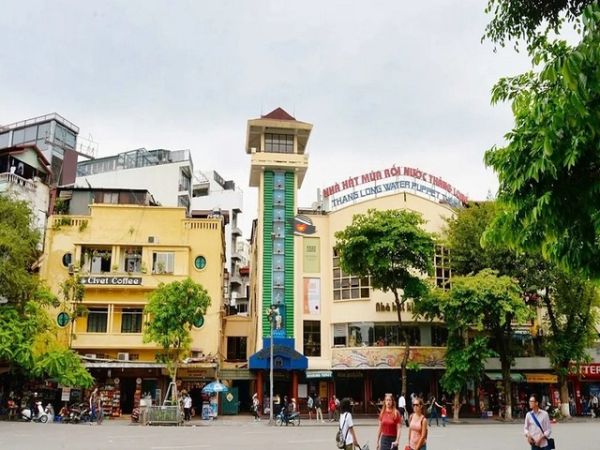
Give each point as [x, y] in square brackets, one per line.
[116, 226]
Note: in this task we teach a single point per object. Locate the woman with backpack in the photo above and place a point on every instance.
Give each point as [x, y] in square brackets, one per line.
[417, 427]
[390, 425]
[347, 426]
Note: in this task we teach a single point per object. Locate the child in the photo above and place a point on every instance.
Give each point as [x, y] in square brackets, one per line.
[444, 416]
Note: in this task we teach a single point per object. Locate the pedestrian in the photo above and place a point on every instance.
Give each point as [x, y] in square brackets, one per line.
[594, 401]
[347, 426]
[390, 425]
[537, 425]
[187, 407]
[99, 410]
[444, 412]
[285, 410]
[336, 412]
[94, 404]
[331, 408]
[571, 405]
[310, 404]
[318, 408]
[255, 405]
[417, 427]
[402, 408]
[432, 410]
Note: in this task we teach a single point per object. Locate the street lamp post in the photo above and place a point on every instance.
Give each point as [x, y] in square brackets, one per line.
[271, 320]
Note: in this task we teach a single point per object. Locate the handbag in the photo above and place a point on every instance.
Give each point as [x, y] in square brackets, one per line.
[551, 444]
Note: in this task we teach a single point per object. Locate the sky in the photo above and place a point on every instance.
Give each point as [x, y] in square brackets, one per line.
[383, 82]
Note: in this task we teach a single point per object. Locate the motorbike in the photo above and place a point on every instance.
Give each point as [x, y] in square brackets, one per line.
[38, 414]
[79, 413]
[292, 418]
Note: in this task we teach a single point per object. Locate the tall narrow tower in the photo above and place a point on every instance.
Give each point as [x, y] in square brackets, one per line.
[277, 143]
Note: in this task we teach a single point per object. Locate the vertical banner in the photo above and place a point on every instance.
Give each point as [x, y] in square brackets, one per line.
[312, 296]
[311, 255]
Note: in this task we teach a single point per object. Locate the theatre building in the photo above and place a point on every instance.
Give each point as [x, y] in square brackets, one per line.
[121, 248]
[333, 333]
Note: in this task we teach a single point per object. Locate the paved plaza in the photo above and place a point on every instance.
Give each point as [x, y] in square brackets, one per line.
[242, 433]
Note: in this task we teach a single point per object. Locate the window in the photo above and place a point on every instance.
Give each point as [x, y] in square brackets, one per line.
[443, 272]
[163, 262]
[236, 349]
[132, 259]
[312, 338]
[111, 198]
[439, 336]
[96, 320]
[347, 287]
[200, 262]
[131, 320]
[390, 334]
[340, 334]
[279, 143]
[96, 260]
[67, 259]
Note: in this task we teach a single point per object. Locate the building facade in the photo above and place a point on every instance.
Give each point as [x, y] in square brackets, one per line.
[332, 332]
[121, 253]
[167, 174]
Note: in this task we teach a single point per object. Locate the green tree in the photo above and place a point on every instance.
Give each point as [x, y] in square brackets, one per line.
[173, 309]
[549, 168]
[393, 249]
[527, 19]
[28, 337]
[496, 302]
[467, 349]
[571, 303]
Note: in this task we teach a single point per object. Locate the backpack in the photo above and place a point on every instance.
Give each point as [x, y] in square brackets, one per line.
[340, 440]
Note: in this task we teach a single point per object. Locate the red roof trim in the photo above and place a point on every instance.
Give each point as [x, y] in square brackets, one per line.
[278, 114]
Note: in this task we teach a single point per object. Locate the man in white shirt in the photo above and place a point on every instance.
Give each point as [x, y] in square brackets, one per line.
[537, 436]
[402, 408]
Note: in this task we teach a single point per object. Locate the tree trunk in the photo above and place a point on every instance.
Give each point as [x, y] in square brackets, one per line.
[456, 406]
[564, 397]
[507, 388]
[404, 361]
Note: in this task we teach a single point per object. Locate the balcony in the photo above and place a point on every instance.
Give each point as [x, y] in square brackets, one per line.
[11, 182]
[110, 341]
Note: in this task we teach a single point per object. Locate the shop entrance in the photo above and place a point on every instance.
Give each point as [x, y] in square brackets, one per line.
[127, 394]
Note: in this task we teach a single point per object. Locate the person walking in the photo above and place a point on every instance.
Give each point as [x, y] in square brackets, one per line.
[255, 404]
[187, 407]
[390, 425]
[347, 425]
[417, 427]
[537, 425]
[310, 404]
[402, 408]
[318, 408]
[331, 408]
[433, 411]
[94, 404]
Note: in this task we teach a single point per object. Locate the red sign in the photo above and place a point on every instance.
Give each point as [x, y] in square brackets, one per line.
[588, 371]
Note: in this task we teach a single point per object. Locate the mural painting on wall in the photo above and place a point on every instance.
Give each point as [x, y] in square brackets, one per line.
[386, 358]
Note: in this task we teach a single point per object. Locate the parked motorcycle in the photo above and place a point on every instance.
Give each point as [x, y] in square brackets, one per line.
[38, 415]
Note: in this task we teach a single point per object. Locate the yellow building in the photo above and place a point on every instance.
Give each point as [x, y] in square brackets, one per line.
[332, 332]
[121, 253]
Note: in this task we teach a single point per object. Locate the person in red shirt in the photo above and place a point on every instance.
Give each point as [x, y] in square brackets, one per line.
[331, 408]
[390, 425]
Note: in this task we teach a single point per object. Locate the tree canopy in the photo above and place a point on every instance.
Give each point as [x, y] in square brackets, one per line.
[28, 337]
[549, 169]
[173, 309]
[392, 248]
[525, 19]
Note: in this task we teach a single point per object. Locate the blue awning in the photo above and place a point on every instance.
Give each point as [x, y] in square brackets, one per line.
[284, 358]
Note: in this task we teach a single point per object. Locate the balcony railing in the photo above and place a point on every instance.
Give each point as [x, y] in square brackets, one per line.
[16, 180]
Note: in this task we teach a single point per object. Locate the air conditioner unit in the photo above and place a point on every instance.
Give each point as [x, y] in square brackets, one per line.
[153, 239]
[123, 356]
[90, 355]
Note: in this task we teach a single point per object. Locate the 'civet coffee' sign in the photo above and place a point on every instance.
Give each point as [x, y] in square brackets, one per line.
[112, 281]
